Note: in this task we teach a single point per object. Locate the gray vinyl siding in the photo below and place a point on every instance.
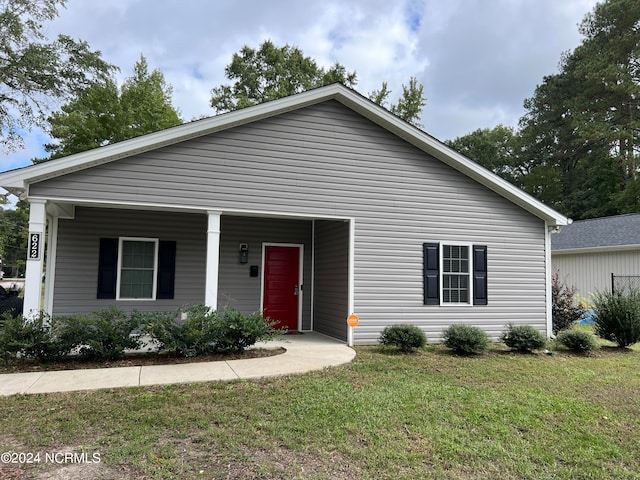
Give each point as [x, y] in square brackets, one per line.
[591, 272]
[331, 272]
[236, 287]
[76, 278]
[326, 161]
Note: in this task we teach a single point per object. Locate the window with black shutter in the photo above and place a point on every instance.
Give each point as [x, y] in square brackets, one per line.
[455, 274]
[136, 268]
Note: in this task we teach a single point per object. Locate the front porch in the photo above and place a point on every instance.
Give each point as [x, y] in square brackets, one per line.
[206, 266]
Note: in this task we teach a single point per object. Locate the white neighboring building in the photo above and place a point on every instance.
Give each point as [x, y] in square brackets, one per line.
[588, 253]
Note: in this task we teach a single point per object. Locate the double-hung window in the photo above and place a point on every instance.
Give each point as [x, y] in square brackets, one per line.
[138, 268]
[135, 268]
[455, 274]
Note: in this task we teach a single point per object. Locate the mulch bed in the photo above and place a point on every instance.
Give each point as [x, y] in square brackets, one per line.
[133, 360]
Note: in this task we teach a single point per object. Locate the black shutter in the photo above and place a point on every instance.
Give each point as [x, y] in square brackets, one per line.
[431, 258]
[479, 274]
[107, 268]
[166, 269]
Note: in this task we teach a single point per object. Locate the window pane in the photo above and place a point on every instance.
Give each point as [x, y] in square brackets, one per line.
[455, 277]
[137, 272]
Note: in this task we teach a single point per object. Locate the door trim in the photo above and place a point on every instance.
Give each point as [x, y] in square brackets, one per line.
[300, 248]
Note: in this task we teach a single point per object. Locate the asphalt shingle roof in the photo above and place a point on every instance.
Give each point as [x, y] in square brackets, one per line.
[598, 232]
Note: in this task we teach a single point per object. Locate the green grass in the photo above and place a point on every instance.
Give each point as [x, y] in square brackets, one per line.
[385, 416]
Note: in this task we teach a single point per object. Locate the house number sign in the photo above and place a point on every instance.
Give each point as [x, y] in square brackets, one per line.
[34, 246]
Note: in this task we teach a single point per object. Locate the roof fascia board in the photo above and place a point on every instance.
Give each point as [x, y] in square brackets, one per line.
[605, 249]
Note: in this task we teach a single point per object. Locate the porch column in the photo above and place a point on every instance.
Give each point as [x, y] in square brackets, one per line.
[35, 258]
[213, 260]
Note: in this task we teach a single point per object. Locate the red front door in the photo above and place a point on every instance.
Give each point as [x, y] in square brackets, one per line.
[281, 297]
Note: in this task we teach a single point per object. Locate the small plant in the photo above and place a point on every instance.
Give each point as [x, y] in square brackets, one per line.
[235, 331]
[578, 341]
[406, 337]
[617, 316]
[466, 339]
[523, 338]
[564, 309]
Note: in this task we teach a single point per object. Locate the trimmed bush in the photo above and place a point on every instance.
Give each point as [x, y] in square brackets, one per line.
[523, 338]
[578, 341]
[235, 331]
[466, 339]
[406, 337]
[30, 338]
[103, 335]
[205, 331]
[617, 316]
[192, 336]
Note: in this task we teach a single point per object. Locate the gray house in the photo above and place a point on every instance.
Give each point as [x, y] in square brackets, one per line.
[310, 208]
[587, 253]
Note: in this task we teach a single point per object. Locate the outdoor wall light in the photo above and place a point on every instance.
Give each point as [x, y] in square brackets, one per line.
[244, 253]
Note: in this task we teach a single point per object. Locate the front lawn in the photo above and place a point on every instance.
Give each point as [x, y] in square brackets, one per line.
[384, 416]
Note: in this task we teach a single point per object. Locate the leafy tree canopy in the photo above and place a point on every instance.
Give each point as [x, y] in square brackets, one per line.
[271, 72]
[35, 71]
[102, 113]
[496, 149]
[14, 232]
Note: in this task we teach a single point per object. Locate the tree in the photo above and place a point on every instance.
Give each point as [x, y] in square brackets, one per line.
[34, 71]
[270, 72]
[145, 102]
[496, 149]
[582, 126]
[14, 232]
[409, 105]
[102, 114]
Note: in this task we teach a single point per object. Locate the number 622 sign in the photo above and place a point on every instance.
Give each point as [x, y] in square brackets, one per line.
[34, 246]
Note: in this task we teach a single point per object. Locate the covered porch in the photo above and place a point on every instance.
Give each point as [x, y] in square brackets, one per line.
[297, 270]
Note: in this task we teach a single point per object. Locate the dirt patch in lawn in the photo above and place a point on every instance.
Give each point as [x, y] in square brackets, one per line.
[134, 360]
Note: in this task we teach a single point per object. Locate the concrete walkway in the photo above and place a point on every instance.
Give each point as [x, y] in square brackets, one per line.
[304, 353]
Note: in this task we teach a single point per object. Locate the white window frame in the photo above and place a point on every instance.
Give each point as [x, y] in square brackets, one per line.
[469, 274]
[156, 242]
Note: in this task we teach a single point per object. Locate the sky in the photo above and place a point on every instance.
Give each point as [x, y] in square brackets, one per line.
[477, 59]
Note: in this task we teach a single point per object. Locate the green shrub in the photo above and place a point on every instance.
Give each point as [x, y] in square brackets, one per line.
[564, 309]
[103, 335]
[235, 331]
[406, 337]
[30, 338]
[205, 331]
[617, 316]
[466, 339]
[187, 338]
[523, 338]
[578, 341]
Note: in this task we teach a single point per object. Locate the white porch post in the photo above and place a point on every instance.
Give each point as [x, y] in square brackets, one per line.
[213, 260]
[35, 258]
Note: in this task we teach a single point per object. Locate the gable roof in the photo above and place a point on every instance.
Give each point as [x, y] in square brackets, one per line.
[17, 181]
[620, 232]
